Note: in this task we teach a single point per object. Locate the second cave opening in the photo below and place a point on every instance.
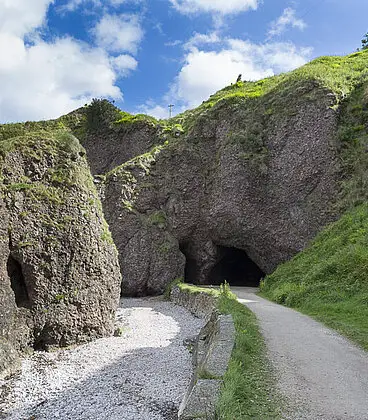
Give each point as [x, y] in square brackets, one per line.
[18, 284]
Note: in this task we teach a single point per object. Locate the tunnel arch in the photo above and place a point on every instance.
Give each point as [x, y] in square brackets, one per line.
[235, 266]
[220, 264]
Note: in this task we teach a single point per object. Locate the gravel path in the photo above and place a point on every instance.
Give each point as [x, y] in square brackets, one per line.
[322, 375]
[141, 375]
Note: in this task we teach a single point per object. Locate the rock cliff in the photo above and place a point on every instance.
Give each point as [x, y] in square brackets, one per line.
[238, 185]
[60, 277]
[257, 169]
[243, 177]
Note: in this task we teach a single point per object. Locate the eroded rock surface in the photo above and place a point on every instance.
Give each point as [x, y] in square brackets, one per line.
[111, 146]
[60, 277]
[257, 175]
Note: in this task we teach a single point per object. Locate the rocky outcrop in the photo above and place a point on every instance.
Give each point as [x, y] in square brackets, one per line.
[253, 174]
[115, 144]
[149, 255]
[60, 278]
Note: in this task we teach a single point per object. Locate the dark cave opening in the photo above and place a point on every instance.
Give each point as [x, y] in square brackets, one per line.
[17, 282]
[236, 268]
[233, 265]
[191, 266]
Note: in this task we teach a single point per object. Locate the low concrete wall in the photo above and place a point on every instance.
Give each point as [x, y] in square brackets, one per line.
[211, 355]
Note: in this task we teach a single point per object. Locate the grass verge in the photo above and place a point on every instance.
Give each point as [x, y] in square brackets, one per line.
[329, 279]
[249, 388]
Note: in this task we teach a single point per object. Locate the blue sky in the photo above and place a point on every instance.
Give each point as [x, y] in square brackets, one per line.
[144, 54]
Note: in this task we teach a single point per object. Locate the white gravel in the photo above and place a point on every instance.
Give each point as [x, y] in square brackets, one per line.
[141, 375]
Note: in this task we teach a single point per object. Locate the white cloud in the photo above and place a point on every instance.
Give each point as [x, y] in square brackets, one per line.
[205, 72]
[224, 7]
[155, 110]
[173, 43]
[124, 64]
[160, 111]
[120, 2]
[288, 18]
[47, 80]
[279, 56]
[118, 33]
[73, 5]
[202, 39]
[18, 17]
[41, 80]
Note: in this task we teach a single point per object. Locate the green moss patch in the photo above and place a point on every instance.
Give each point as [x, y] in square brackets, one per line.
[126, 118]
[74, 123]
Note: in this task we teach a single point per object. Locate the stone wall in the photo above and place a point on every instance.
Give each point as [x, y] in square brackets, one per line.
[211, 354]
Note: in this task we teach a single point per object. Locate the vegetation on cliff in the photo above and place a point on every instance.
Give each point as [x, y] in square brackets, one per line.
[59, 146]
[339, 74]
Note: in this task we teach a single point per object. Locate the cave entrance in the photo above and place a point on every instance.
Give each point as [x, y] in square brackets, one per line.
[17, 282]
[236, 268]
[191, 265]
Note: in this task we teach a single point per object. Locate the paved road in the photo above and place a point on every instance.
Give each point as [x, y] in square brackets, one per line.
[321, 374]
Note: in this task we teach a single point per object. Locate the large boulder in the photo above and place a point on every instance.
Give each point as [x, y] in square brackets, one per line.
[60, 277]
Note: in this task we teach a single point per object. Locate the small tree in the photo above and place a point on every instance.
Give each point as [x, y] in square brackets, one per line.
[365, 42]
[100, 114]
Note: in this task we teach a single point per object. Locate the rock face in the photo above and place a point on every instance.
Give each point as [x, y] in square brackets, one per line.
[113, 145]
[60, 277]
[149, 254]
[256, 175]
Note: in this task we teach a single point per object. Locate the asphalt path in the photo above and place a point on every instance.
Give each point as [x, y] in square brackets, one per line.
[321, 375]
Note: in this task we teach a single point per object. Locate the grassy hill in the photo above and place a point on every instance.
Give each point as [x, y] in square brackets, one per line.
[329, 280]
